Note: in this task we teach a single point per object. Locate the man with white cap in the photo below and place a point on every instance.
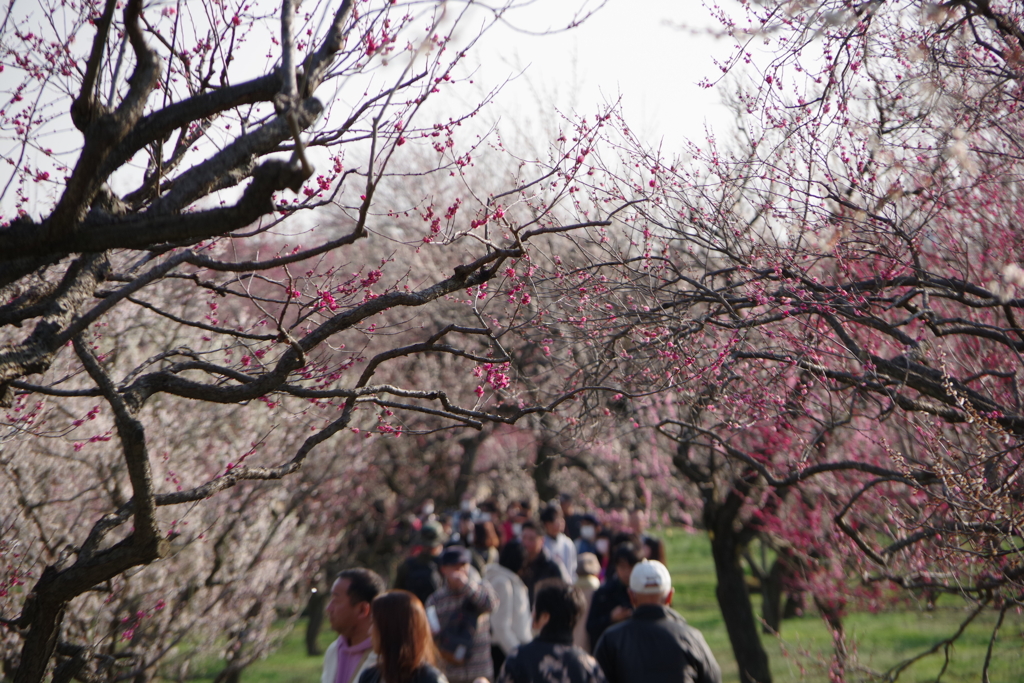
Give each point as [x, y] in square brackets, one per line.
[655, 644]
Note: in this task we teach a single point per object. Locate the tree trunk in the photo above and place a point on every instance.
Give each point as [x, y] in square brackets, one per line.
[547, 456]
[230, 674]
[771, 599]
[737, 610]
[41, 641]
[43, 612]
[467, 464]
[315, 609]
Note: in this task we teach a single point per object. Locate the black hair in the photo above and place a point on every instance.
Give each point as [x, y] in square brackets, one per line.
[530, 524]
[512, 556]
[363, 584]
[564, 603]
[656, 548]
[626, 537]
[550, 514]
[625, 552]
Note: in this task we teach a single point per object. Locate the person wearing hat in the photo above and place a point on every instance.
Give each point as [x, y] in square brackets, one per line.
[419, 574]
[460, 611]
[655, 644]
[588, 568]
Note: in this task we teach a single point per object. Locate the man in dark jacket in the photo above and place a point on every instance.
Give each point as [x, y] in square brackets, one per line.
[610, 603]
[420, 574]
[539, 563]
[655, 644]
[551, 657]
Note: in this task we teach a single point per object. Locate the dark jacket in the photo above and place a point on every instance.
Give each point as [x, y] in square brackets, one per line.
[655, 645]
[550, 658]
[613, 593]
[419, 575]
[544, 566]
[424, 674]
[585, 546]
[572, 526]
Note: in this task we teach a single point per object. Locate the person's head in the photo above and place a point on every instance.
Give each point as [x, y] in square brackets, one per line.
[401, 635]
[650, 584]
[588, 528]
[624, 557]
[432, 537]
[567, 504]
[557, 606]
[552, 521]
[454, 564]
[465, 524]
[638, 521]
[587, 564]
[654, 549]
[484, 536]
[512, 556]
[621, 537]
[533, 540]
[348, 609]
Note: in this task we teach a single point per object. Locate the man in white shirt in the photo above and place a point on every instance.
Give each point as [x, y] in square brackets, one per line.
[557, 543]
[348, 610]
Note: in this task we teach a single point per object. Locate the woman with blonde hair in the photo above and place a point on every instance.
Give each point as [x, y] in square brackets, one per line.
[403, 641]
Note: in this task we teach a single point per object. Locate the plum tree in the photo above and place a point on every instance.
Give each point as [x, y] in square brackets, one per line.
[176, 325]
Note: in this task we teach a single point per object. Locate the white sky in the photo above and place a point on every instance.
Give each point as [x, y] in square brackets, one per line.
[634, 49]
[638, 50]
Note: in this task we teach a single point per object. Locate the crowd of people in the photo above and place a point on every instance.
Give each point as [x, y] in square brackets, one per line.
[565, 597]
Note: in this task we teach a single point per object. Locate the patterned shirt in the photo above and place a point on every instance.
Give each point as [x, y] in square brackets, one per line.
[550, 658]
[478, 660]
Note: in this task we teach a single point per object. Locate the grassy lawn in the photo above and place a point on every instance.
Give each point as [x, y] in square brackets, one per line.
[291, 664]
[878, 641]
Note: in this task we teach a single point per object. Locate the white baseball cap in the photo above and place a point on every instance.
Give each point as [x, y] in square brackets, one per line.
[650, 577]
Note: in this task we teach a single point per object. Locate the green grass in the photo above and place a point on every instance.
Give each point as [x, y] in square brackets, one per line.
[291, 664]
[878, 641]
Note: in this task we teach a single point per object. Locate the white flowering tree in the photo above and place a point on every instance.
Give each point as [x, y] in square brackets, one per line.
[176, 336]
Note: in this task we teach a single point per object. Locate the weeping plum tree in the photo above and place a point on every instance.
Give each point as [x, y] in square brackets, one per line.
[180, 329]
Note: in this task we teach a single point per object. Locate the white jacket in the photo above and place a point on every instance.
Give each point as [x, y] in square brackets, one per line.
[511, 621]
[331, 664]
[562, 548]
